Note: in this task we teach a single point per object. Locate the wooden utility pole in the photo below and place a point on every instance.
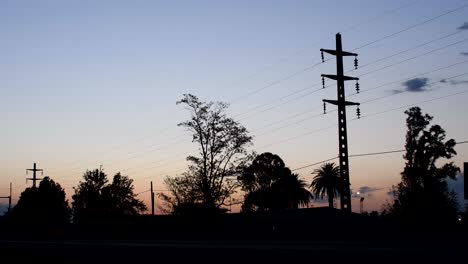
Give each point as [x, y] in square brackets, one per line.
[34, 178]
[9, 199]
[345, 194]
[152, 199]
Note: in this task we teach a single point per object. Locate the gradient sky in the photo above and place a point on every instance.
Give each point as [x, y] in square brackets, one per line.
[90, 83]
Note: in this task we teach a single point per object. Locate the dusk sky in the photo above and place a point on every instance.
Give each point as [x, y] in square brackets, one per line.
[90, 83]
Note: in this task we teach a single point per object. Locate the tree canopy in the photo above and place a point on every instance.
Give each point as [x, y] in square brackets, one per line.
[95, 197]
[45, 205]
[222, 142]
[268, 184]
[422, 193]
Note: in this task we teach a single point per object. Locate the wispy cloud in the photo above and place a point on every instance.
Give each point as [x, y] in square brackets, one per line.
[463, 27]
[365, 191]
[454, 82]
[395, 91]
[416, 85]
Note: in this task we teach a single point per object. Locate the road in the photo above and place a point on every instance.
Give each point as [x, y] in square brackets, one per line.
[228, 251]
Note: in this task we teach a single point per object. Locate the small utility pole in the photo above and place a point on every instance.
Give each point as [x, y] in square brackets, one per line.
[152, 199]
[9, 199]
[345, 194]
[34, 178]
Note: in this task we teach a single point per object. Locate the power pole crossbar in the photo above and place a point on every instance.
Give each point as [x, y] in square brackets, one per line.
[345, 194]
[34, 178]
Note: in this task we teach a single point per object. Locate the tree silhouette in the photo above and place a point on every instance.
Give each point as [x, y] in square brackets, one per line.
[326, 182]
[294, 190]
[269, 185]
[422, 193]
[121, 198]
[45, 205]
[95, 198]
[222, 153]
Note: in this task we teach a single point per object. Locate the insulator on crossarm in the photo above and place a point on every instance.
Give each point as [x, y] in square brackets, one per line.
[357, 87]
[323, 58]
[355, 62]
[324, 108]
[323, 82]
[358, 112]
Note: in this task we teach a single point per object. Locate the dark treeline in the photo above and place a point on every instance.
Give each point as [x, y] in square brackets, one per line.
[274, 198]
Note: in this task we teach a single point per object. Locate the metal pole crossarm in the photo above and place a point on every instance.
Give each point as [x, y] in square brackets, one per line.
[337, 78]
[334, 52]
[34, 178]
[336, 102]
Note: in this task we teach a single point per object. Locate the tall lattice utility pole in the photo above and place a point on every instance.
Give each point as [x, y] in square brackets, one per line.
[9, 199]
[345, 194]
[34, 178]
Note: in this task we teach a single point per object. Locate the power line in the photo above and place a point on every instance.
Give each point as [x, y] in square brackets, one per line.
[407, 50]
[363, 116]
[412, 26]
[370, 100]
[276, 82]
[314, 164]
[413, 76]
[363, 155]
[414, 57]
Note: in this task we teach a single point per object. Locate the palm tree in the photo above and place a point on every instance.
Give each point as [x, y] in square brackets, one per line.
[326, 181]
[293, 190]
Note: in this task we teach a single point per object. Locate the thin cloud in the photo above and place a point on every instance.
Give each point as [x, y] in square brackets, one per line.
[367, 189]
[454, 82]
[416, 85]
[463, 27]
[464, 53]
[395, 91]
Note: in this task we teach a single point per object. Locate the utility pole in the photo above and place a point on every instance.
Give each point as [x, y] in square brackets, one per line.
[345, 194]
[152, 199]
[34, 178]
[9, 199]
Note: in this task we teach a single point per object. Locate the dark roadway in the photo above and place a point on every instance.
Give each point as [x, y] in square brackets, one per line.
[102, 251]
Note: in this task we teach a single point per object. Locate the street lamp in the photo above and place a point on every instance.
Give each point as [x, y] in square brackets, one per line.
[361, 201]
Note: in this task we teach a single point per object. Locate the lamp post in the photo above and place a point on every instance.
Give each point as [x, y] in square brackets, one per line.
[361, 204]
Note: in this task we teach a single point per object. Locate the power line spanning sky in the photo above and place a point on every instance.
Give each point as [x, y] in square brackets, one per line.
[90, 83]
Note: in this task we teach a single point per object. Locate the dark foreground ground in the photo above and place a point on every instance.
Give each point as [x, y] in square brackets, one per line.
[145, 251]
[320, 235]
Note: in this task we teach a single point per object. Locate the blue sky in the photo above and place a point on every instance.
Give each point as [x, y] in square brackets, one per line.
[85, 83]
